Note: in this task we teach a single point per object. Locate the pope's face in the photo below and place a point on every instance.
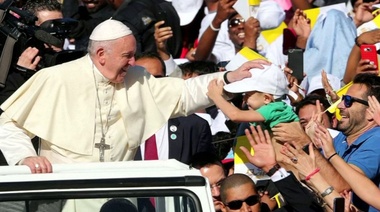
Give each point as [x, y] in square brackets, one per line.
[119, 58]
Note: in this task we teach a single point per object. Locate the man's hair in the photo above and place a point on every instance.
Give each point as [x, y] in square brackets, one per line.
[152, 55]
[93, 46]
[204, 159]
[371, 82]
[312, 100]
[232, 181]
[34, 6]
[198, 67]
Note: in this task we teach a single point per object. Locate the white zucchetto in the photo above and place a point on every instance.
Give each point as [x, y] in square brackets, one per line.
[109, 30]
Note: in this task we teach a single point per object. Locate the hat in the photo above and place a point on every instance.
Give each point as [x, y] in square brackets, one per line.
[315, 83]
[187, 9]
[270, 15]
[270, 80]
[110, 30]
[229, 158]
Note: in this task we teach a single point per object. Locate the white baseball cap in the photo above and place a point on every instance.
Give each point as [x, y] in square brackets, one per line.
[270, 15]
[187, 9]
[315, 83]
[270, 80]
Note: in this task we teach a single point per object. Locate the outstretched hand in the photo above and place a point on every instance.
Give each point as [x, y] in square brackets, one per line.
[264, 156]
[215, 89]
[297, 158]
[243, 71]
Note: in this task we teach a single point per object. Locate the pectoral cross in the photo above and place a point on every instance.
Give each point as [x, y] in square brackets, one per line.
[102, 146]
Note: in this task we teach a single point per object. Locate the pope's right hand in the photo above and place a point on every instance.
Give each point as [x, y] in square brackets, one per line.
[38, 164]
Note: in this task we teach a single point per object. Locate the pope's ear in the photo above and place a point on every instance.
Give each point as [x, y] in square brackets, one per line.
[100, 54]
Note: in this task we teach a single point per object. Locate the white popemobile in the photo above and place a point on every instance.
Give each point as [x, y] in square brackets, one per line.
[173, 185]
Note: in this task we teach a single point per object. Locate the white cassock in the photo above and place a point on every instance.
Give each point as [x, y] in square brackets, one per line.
[59, 104]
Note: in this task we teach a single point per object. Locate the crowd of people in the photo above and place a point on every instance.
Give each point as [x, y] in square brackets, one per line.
[150, 80]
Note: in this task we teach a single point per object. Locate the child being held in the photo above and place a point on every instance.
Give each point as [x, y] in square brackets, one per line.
[263, 94]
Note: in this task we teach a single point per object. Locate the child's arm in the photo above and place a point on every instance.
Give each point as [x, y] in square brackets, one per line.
[215, 92]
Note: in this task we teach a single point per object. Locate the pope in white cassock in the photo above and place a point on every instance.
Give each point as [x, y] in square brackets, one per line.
[99, 107]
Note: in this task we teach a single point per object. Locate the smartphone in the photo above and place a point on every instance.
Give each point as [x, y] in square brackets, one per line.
[368, 51]
[162, 16]
[338, 204]
[295, 62]
[289, 40]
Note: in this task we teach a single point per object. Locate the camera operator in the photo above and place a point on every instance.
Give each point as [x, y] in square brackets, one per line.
[29, 59]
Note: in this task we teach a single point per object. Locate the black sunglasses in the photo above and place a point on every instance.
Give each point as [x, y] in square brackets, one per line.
[236, 204]
[349, 100]
[236, 21]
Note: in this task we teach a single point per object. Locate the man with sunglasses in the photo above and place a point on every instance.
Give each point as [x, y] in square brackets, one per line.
[358, 142]
[243, 33]
[238, 192]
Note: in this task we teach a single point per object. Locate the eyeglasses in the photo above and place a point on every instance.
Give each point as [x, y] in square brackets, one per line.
[349, 100]
[236, 22]
[236, 204]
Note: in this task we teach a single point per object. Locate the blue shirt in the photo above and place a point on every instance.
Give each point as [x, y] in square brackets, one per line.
[364, 153]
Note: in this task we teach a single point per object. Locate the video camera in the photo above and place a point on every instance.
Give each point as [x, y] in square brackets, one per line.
[18, 32]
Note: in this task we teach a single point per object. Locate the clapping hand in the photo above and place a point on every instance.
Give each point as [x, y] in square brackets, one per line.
[374, 109]
[331, 95]
[324, 140]
[296, 157]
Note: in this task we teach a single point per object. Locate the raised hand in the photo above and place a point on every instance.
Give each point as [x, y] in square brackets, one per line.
[252, 32]
[264, 156]
[330, 93]
[364, 13]
[365, 66]
[161, 35]
[224, 10]
[301, 24]
[374, 109]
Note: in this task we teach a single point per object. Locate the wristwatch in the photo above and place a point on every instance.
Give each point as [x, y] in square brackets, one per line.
[328, 191]
[273, 170]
